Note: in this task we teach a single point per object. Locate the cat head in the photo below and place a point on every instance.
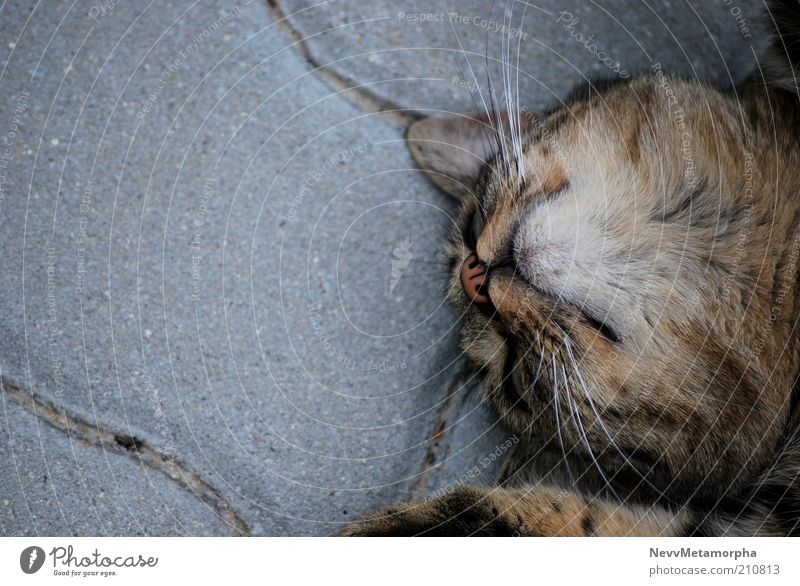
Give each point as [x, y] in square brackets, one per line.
[609, 266]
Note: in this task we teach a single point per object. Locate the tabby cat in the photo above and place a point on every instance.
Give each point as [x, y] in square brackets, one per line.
[626, 269]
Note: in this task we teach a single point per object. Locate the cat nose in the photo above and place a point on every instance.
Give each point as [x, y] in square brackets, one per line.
[474, 279]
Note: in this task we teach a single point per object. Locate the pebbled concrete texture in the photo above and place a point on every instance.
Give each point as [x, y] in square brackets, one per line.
[433, 56]
[54, 483]
[223, 309]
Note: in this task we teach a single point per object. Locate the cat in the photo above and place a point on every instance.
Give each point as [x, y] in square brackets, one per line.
[626, 270]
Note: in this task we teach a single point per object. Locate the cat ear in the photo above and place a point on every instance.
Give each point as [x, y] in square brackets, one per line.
[453, 150]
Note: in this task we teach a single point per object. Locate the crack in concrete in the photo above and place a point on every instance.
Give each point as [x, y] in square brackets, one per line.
[129, 446]
[420, 487]
[366, 100]
[360, 96]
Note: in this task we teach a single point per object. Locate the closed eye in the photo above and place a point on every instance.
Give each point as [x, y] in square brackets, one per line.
[606, 331]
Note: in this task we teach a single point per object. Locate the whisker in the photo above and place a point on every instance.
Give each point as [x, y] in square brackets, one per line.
[557, 409]
[506, 68]
[500, 130]
[521, 167]
[511, 102]
[486, 144]
[599, 420]
[582, 433]
[471, 70]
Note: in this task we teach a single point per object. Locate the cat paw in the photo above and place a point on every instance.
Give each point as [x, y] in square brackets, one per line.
[463, 512]
[404, 521]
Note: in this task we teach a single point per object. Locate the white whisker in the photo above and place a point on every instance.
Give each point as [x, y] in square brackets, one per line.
[582, 433]
[599, 420]
[521, 164]
[474, 78]
[557, 409]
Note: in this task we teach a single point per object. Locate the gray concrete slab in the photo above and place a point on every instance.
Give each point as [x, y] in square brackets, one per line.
[427, 55]
[54, 483]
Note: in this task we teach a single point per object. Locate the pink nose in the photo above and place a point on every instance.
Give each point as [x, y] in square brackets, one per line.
[474, 279]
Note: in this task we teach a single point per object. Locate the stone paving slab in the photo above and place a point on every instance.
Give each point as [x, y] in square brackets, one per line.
[412, 53]
[53, 484]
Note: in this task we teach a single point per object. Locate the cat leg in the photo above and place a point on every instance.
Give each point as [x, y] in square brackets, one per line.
[537, 511]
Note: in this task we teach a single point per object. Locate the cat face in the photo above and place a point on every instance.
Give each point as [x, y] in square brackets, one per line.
[612, 286]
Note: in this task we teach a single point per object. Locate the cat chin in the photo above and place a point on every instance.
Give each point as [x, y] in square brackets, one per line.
[484, 345]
